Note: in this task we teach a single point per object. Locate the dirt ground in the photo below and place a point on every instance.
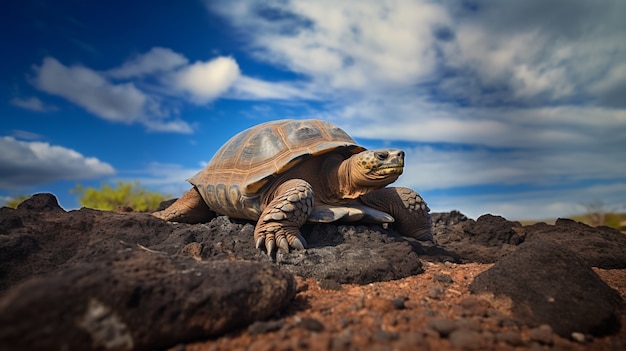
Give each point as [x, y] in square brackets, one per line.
[429, 311]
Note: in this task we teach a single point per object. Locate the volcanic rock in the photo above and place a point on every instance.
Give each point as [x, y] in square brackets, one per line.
[40, 237]
[549, 284]
[139, 300]
[484, 240]
[601, 247]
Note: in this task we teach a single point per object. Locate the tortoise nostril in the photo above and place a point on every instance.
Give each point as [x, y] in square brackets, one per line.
[381, 155]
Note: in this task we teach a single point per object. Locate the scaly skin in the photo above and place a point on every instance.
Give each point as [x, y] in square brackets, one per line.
[189, 208]
[280, 222]
[407, 207]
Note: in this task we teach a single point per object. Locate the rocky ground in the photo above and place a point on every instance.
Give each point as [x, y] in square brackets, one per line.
[91, 279]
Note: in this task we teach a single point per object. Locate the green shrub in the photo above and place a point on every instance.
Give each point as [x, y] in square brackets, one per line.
[125, 194]
[16, 200]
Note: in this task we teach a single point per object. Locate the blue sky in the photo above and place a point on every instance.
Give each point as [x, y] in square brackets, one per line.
[516, 108]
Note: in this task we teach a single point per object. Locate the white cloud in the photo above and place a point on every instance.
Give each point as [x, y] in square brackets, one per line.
[24, 164]
[540, 52]
[517, 184]
[248, 88]
[23, 134]
[205, 81]
[431, 168]
[89, 89]
[156, 60]
[343, 45]
[200, 82]
[33, 103]
[172, 126]
[533, 205]
[507, 51]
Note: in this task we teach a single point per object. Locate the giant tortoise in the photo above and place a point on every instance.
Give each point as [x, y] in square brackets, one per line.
[283, 173]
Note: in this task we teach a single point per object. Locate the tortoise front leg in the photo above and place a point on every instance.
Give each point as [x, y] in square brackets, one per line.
[411, 214]
[280, 222]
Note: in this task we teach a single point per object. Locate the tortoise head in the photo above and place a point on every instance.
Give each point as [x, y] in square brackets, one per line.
[377, 168]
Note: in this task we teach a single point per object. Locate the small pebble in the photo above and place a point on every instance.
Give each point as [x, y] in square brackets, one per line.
[443, 278]
[262, 327]
[436, 292]
[384, 337]
[510, 337]
[579, 337]
[341, 343]
[398, 302]
[413, 338]
[311, 324]
[430, 313]
[301, 285]
[474, 306]
[329, 284]
[469, 324]
[542, 334]
[443, 326]
[466, 339]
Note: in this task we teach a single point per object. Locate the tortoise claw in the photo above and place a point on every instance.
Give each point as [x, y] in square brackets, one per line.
[283, 244]
[299, 243]
[270, 246]
[259, 242]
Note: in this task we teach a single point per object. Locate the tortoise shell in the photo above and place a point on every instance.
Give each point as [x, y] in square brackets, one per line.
[236, 175]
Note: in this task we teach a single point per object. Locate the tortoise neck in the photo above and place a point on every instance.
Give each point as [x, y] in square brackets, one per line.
[346, 176]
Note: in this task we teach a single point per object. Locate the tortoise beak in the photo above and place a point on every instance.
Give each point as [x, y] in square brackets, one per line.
[391, 162]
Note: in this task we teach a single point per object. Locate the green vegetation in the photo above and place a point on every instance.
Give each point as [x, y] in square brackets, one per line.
[599, 214]
[125, 194]
[613, 220]
[16, 200]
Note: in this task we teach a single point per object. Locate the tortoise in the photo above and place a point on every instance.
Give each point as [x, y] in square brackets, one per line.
[284, 173]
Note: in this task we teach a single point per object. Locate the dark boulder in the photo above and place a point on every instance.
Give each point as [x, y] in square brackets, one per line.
[484, 240]
[601, 247]
[549, 284]
[139, 300]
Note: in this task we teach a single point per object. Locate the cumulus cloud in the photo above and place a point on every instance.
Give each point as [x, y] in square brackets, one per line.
[411, 119]
[249, 88]
[529, 52]
[205, 81]
[432, 168]
[340, 44]
[540, 52]
[91, 90]
[156, 60]
[25, 164]
[119, 95]
[33, 103]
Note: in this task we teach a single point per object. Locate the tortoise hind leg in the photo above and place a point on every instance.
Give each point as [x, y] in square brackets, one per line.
[411, 214]
[189, 208]
[280, 222]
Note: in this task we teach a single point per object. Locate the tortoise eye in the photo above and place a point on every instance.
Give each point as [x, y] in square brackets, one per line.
[381, 155]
